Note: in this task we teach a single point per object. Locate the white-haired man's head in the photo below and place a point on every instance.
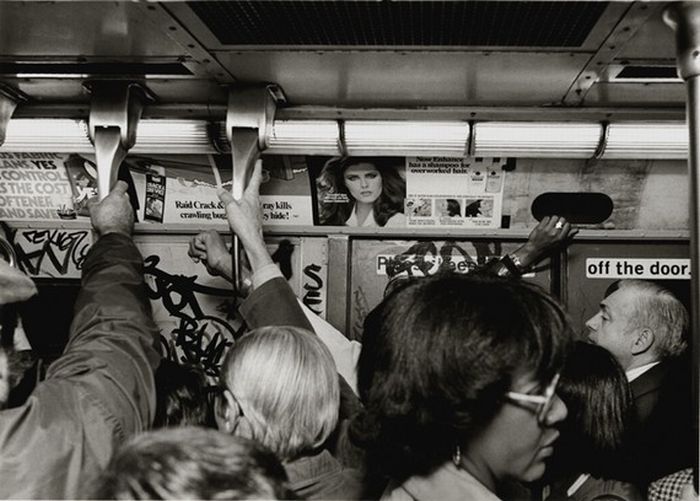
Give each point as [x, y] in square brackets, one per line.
[640, 322]
[280, 388]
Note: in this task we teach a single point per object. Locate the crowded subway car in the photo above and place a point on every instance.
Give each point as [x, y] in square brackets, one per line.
[349, 249]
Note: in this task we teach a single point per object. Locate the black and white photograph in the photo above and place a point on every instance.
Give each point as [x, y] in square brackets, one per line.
[396, 250]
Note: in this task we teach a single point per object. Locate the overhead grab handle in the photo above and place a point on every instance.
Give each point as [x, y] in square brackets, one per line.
[249, 118]
[9, 99]
[115, 110]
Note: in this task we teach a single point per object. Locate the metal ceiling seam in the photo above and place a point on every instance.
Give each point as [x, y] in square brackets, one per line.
[636, 15]
[217, 112]
[197, 58]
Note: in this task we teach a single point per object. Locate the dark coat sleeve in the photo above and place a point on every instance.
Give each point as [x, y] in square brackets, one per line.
[274, 303]
[97, 394]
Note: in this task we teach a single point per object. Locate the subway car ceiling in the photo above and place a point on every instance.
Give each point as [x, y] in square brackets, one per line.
[476, 60]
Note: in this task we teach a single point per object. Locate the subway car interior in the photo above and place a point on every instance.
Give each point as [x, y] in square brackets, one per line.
[488, 116]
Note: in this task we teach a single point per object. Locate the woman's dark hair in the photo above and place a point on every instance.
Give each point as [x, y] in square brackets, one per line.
[437, 358]
[595, 390]
[181, 396]
[331, 181]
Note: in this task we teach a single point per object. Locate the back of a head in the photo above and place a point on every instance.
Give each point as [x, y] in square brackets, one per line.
[286, 384]
[659, 309]
[191, 463]
[594, 388]
[438, 357]
[181, 397]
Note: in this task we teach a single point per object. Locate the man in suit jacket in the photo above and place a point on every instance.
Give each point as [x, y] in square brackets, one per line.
[643, 326]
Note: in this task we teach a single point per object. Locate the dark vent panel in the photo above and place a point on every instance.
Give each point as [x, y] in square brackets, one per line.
[344, 23]
[648, 72]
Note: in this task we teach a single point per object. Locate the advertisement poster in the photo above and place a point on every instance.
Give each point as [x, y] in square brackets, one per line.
[285, 192]
[454, 192]
[359, 191]
[39, 186]
[162, 188]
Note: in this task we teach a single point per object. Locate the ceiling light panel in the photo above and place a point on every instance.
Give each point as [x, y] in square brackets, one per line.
[406, 138]
[320, 137]
[31, 135]
[646, 140]
[536, 140]
[172, 136]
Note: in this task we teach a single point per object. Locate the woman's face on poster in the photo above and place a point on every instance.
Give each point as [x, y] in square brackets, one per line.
[364, 182]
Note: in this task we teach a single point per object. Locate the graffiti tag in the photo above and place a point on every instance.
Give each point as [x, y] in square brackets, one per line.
[51, 252]
[199, 339]
[312, 297]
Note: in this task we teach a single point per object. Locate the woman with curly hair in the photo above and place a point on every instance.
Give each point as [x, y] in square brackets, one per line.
[361, 191]
[458, 376]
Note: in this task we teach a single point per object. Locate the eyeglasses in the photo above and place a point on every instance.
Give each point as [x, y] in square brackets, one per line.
[544, 402]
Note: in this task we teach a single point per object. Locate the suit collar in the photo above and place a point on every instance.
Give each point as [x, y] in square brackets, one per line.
[649, 381]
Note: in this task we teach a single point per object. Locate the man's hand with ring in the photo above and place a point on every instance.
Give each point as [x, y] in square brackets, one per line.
[550, 232]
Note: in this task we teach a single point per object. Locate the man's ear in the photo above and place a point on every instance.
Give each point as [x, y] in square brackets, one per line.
[226, 412]
[643, 341]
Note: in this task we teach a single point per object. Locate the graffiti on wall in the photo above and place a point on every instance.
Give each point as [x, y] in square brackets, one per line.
[199, 338]
[313, 288]
[398, 261]
[426, 258]
[55, 253]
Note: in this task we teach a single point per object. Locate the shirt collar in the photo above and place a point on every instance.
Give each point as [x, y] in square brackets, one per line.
[633, 374]
[369, 222]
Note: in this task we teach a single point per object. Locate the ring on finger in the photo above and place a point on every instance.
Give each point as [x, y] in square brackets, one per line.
[559, 225]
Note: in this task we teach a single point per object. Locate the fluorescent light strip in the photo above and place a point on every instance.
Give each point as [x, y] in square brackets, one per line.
[172, 136]
[406, 138]
[646, 141]
[304, 137]
[71, 136]
[536, 140]
[630, 140]
[33, 135]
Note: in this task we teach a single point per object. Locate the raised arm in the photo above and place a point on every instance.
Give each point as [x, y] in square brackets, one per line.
[272, 301]
[113, 331]
[550, 233]
[101, 390]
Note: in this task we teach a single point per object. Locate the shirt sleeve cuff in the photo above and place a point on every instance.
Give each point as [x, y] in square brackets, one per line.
[265, 274]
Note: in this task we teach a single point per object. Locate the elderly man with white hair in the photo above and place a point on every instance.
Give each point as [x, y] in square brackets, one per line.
[643, 325]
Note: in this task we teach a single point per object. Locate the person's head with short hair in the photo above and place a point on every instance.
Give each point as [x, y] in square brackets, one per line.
[191, 463]
[639, 322]
[594, 388]
[181, 396]
[280, 387]
[453, 207]
[462, 368]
